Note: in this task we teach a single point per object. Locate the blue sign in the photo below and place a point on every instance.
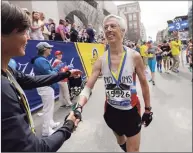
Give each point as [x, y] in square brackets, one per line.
[178, 26]
[70, 56]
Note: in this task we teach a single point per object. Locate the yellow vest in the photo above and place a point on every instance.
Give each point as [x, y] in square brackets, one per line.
[143, 48]
[175, 47]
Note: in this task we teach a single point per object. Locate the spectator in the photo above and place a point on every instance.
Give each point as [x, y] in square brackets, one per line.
[51, 27]
[17, 128]
[90, 33]
[36, 27]
[29, 14]
[67, 29]
[42, 67]
[106, 46]
[83, 36]
[73, 34]
[45, 31]
[64, 96]
[26, 11]
[60, 35]
[78, 28]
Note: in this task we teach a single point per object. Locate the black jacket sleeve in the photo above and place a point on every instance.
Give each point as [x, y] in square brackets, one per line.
[16, 136]
[29, 82]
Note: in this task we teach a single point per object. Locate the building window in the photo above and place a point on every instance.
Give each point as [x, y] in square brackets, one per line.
[134, 16]
[135, 30]
[135, 8]
[130, 25]
[130, 17]
[128, 9]
[135, 25]
[123, 9]
[131, 9]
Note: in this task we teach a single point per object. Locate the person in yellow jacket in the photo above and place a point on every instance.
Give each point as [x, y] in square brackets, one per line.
[175, 50]
[144, 56]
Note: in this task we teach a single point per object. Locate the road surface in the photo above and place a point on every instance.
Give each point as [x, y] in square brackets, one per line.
[170, 130]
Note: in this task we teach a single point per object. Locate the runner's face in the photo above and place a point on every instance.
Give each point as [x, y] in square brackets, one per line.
[15, 43]
[112, 31]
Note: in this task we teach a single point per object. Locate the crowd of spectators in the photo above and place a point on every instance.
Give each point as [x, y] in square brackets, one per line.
[42, 29]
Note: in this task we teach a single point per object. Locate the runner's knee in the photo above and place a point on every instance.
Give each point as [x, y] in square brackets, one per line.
[133, 148]
[133, 143]
[120, 139]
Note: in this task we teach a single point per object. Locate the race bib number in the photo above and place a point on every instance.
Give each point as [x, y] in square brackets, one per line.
[118, 93]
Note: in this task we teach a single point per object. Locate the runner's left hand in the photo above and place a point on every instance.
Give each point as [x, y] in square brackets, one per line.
[147, 118]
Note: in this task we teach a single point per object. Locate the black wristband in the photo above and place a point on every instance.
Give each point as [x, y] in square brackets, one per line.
[69, 125]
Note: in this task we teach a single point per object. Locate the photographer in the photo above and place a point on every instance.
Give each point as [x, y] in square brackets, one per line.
[18, 132]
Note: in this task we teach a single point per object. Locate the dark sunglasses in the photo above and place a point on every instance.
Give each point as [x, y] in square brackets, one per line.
[48, 47]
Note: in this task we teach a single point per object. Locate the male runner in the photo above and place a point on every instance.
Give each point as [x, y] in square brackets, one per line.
[159, 60]
[119, 66]
[166, 55]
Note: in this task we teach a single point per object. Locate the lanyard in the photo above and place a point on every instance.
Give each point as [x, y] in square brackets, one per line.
[121, 66]
[23, 99]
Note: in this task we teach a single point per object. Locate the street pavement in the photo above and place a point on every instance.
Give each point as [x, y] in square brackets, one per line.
[170, 130]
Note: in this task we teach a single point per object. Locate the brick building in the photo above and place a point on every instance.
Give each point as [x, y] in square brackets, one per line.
[132, 13]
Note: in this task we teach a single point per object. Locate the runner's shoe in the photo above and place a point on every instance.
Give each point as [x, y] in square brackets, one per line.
[153, 82]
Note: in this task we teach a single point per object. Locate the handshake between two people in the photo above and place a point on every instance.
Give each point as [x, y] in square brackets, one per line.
[72, 119]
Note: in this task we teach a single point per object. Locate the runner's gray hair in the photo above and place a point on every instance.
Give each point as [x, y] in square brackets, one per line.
[121, 22]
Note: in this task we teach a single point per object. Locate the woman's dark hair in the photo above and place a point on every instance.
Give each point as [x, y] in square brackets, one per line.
[13, 17]
[61, 21]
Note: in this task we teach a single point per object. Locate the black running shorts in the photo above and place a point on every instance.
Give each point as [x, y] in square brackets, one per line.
[123, 122]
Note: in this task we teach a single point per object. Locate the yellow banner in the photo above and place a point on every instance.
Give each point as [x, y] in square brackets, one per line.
[89, 53]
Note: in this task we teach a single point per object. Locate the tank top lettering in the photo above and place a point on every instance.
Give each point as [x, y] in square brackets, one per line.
[119, 95]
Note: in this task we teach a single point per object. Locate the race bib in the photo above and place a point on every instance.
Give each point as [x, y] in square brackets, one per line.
[118, 94]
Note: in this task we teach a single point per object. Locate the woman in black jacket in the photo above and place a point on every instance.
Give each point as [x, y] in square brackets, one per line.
[17, 128]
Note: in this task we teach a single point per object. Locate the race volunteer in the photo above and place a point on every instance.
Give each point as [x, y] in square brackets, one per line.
[175, 49]
[17, 127]
[119, 66]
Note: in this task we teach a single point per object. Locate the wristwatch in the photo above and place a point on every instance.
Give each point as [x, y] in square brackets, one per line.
[148, 108]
